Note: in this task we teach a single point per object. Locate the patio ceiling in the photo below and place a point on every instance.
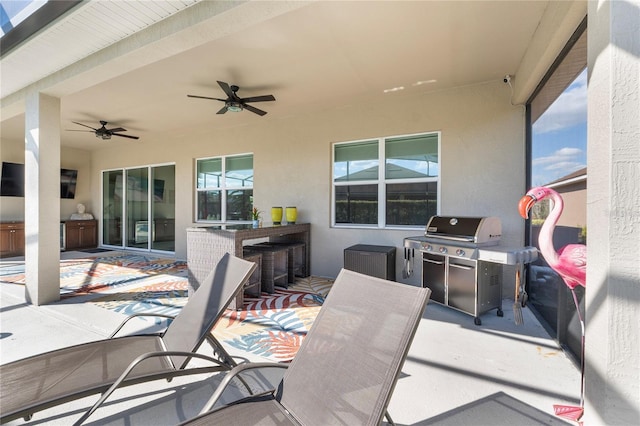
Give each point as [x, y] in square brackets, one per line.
[311, 56]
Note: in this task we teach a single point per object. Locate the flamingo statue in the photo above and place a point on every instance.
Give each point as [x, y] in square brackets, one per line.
[570, 262]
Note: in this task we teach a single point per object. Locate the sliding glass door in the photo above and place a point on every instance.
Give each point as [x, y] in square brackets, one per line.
[112, 207]
[139, 208]
[163, 208]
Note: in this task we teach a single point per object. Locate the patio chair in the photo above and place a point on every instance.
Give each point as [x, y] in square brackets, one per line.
[46, 380]
[347, 366]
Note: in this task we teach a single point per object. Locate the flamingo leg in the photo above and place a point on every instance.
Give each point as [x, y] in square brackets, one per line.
[571, 412]
[575, 301]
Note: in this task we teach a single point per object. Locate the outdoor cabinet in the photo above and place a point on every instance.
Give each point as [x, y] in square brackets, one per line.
[376, 261]
[81, 234]
[164, 229]
[11, 239]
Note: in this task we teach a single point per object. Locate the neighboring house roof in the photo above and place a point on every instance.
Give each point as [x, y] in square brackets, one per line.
[577, 176]
[372, 173]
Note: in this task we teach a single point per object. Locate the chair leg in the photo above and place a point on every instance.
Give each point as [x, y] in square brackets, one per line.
[219, 351]
[388, 417]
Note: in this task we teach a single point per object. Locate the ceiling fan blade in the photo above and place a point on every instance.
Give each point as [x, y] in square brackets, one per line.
[117, 129]
[225, 87]
[125, 136]
[264, 98]
[74, 130]
[254, 110]
[222, 110]
[80, 124]
[206, 97]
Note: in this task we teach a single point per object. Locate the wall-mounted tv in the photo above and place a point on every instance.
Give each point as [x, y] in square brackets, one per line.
[12, 181]
[68, 180]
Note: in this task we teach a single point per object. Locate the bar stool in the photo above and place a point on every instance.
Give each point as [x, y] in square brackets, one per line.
[254, 283]
[275, 265]
[297, 254]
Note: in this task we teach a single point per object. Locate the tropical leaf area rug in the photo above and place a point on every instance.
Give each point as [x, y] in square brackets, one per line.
[271, 326]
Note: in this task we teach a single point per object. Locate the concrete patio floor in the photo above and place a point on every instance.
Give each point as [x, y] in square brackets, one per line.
[456, 373]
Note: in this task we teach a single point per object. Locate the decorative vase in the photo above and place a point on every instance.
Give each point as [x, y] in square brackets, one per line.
[276, 215]
[291, 214]
[256, 223]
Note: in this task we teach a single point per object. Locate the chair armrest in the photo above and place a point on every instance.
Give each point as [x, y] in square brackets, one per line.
[170, 317]
[236, 371]
[130, 368]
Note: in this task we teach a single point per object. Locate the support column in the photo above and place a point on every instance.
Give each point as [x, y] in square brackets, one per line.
[42, 198]
[613, 214]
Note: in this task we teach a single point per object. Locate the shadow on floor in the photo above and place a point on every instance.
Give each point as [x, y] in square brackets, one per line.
[495, 410]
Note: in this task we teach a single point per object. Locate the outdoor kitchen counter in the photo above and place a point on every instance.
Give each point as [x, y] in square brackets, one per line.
[207, 244]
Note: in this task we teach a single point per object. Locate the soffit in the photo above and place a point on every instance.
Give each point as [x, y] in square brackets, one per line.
[86, 29]
[316, 56]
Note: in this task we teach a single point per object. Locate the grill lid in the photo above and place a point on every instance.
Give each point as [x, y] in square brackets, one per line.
[478, 230]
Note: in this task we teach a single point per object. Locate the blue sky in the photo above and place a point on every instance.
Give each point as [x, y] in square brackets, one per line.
[12, 12]
[560, 135]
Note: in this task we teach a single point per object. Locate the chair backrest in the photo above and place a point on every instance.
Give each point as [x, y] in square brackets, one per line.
[348, 365]
[189, 329]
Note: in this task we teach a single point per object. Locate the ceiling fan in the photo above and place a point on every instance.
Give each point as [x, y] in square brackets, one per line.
[234, 103]
[103, 132]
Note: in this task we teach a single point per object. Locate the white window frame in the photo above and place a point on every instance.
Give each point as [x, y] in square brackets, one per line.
[223, 188]
[382, 182]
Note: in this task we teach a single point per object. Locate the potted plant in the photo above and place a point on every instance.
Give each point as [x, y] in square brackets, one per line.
[255, 215]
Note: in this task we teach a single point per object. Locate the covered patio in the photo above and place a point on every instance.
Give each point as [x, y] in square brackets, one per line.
[340, 72]
[455, 373]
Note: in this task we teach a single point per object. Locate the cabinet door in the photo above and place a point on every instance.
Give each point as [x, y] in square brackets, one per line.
[72, 236]
[11, 239]
[164, 229]
[89, 235]
[5, 241]
[462, 285]
[81, 234]
[433, 276]
[18, 241]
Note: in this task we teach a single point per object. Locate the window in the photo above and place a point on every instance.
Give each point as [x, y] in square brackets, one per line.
[224, 188]
[401, 171]
[557, 158]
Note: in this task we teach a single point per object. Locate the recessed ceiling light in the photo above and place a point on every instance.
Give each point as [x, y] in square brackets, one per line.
[394, 89]
[421, 82]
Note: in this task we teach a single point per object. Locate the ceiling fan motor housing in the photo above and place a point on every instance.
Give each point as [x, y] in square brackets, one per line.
[234, 106]
[234, 103]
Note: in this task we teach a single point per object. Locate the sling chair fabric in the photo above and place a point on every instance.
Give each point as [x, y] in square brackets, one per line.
[347, 366]
[46, 380]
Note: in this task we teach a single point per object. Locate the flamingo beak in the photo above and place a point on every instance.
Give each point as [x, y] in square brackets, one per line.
[525, 205]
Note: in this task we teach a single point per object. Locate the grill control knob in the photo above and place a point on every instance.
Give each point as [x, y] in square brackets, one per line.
[460, 252]
[427, 247]
[443, 250]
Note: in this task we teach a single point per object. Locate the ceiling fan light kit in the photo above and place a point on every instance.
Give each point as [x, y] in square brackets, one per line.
[104, 133]
[234, 103]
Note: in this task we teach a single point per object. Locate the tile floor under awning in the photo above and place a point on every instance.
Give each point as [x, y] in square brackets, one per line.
[455, 373]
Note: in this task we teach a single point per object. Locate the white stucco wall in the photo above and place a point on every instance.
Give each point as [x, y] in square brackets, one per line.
[12, 208]
[612, 342]
[482, 162]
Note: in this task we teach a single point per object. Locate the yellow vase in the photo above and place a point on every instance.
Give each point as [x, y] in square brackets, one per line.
[276, 215]
[291, 214]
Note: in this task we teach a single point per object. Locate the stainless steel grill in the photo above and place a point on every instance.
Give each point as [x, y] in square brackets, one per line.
[462, 262]
[450, 249]
[459, 237]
